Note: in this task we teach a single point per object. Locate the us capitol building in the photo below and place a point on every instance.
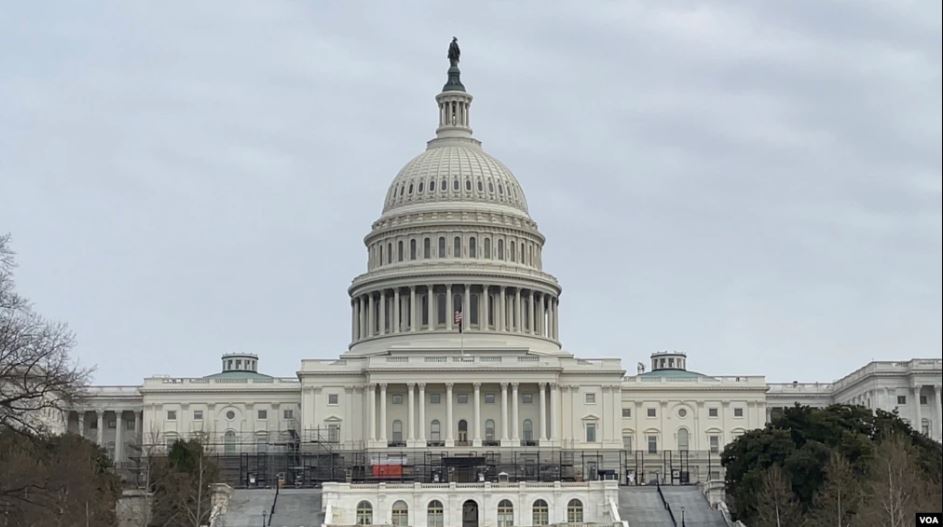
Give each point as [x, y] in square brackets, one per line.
[456, 370]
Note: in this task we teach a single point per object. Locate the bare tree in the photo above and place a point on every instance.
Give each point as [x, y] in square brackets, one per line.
[776, 503]
[36, 372]
[898, 488]
[840, 498]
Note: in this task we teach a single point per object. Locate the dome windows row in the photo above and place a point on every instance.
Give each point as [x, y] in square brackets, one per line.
[401, 249]
[433, 187]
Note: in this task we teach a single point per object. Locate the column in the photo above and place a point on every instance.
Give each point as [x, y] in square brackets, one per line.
[101, 427]
[412, 309]
[556, 318]
[449, 425]
[383, 413]
[430, 294]
[353, 319]
[483, 321]
[362, 321]
[531, 326]
[939, 413]
[466, 308]
[138, 417]
[574, 422]
[409, 417]
[449, 310]
[518, 327]
[617, 413]
[504, 414]
[81, 422]
[422, 413]
[370, 324]
[500, 317]
[396, 311]
[382, 320]
[515, 436]
[476, 440]
[372, 410]
[543, 413]
[918, 419]
[119, 426]
[554, 414]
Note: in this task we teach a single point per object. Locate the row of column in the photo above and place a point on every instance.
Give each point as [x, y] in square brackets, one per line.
[119, 427]
[416, 432]
[513, 310]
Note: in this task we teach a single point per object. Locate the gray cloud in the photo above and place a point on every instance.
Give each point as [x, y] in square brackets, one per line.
[750, 183]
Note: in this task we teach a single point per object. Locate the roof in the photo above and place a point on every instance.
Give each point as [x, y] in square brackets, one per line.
[238, 374]
[673, 373]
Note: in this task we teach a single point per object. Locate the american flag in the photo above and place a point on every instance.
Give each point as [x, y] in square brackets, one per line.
[458, 320]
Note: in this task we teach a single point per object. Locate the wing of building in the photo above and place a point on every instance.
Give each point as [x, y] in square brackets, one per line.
[456, 368]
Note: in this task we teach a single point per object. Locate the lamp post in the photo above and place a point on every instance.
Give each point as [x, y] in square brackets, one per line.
[682, 516]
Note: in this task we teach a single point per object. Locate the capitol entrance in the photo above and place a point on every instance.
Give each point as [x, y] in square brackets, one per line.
[470, 514]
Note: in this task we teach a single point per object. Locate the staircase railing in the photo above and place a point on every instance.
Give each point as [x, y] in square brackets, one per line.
[666, 504]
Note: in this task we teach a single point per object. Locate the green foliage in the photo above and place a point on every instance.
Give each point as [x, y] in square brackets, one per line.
[803, 443]
[181, 485]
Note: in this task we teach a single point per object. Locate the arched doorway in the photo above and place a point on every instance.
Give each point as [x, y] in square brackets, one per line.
[463, 432]
[470, 514]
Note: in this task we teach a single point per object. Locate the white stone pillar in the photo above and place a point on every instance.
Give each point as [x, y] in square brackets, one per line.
[543, 413]
[396, 311]
[411, 437]
[353, 319]
[515, 416]
[430, 296]
[362, 323]
[372, 410]
[483, 322]
[449, 309]
[412, 309]
[505, 437]
[500, 317]
[518, 311]
[81, 415]
[370, 311]
[554, 414]
[449, 425]
[382, 320]
[556, 319]
[119, 426]
[138, 419]
[476, 440]
[918, 419]
[100, 414]
[938, 416]
[531, 322]
[383, 424]
[466, 308]
[422, 413]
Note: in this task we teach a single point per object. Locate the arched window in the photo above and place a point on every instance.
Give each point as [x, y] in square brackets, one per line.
[479, 186]
[574, 511]
[427, 248]
[513, 252]
[455, 184]
[443, 186]
[389, 252]
[412, 249]
[528, 430]
[261, 441]
[683, 439]
[380, 261]
[401, 514]
[435, 514]
[489, 430]
[462, 431]
[457, 247]
[500, 249]
[540, 514]
[432, 186]
[441, 247]
[399, 251]
[488, 248]
[435, 430]
[420, 187]
[229, 441]
[397, 431]
[467, 184]
[505, 513]
[364, 513]
[472, 247]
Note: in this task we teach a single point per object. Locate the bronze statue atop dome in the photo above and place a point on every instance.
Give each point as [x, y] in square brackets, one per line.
[454, 52]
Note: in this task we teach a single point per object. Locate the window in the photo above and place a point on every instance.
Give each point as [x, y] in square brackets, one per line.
[590, 398]
[440, 308]
[288, 414]
[198, 415]
[590, 432]
[334, 433]
[399, 251]
[513, 252]
[500, 249]
[489, 430]
[332, 398]
[129, 425]
[435, 514]
[467, 184]
[626, 412]
[528, 430]
[682, 413]
[400, 514]
[435, 398]
[412, 249]
[488, 248]
[527, 398]
[455, 184]
[712, 412]
[540, 513]
[364, 513]
[490, 398]
[229, 442]
[574, 511]
[738, 412]
[112, 423]
[441, 247]
[230, 415]
[457, 247]
[472, 248]
[171, 416]
[397, 431]
[650, 412]
[923, 399]
[389, 252]
[505, 513]
[432, 186]
[263, 414]
[901, 399]
[397, 398]
[652, 444]
[627, 441]
[427, 248]
[683, 439]
[714, 444]
[461, 398]
[435, 430]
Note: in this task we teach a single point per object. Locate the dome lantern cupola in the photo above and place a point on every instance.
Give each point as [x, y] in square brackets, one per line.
[669, 360]
[454, 102]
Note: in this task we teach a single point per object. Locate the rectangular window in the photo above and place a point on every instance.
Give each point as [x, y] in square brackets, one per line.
[712, 412]
[627, 442]
[738, 412]
[198, 415]
[333, 433]
[590, 432]
[171, 415]
[527, 398]
[590, 398]
[129, 425]
[288, 414]
[651, 412]
[901, 399]
[652, 444]
[332, 399]
[462, 398]
[262, 414]
[715, 444]
[490, 398]
[397, 398]
[435, 398]
[923, 399]
[426, 248]
[112, 424]
[626, 412]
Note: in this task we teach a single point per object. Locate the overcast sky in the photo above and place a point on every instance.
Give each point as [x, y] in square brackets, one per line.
[757, 184]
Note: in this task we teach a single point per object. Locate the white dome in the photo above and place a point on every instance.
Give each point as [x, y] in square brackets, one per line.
[455, 170]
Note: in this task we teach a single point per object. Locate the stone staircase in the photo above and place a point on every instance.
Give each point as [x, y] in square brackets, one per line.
[642, 507]
[293, 508]
[697, 511]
